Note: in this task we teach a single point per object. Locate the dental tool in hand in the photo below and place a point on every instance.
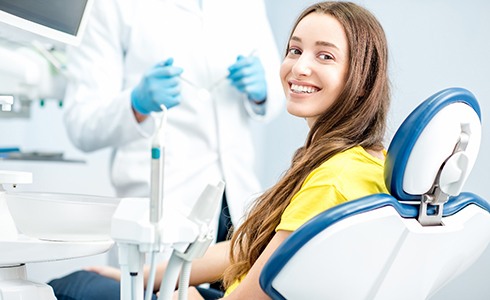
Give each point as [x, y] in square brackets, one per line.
[202, 93]
[157, 160]
[205, 93]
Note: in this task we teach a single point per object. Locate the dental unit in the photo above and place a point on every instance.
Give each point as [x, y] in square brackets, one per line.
[143, 227]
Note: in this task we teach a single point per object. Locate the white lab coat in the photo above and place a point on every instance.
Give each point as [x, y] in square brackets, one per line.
[206, 139]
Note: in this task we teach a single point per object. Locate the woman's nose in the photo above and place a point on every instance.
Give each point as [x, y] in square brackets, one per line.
[302, 66]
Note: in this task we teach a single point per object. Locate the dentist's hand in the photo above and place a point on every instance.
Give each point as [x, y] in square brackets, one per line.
[160, 85]
[247, 75]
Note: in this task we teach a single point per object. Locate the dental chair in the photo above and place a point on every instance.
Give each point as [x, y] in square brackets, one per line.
[406, 245]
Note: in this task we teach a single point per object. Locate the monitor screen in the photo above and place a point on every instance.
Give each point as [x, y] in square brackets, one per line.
[59, 20]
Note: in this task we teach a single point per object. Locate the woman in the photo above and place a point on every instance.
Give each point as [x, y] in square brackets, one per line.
[334, 76]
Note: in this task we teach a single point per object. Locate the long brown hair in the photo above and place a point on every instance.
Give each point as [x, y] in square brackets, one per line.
[357, 117]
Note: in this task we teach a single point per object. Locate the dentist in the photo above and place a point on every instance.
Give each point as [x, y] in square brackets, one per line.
[215, 71]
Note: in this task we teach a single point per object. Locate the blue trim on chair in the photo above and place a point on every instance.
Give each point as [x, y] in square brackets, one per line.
[331, 216]
[311, 228]
[409, 132]
[457, 203]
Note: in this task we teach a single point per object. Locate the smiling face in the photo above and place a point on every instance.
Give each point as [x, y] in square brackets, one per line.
[314, 71]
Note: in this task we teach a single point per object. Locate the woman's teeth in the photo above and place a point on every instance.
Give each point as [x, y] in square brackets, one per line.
[303, 89]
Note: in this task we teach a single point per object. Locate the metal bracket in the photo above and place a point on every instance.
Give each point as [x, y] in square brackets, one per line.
[427, 215]
[432, 203]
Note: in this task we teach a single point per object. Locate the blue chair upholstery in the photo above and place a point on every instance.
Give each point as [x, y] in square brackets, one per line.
[405, 245]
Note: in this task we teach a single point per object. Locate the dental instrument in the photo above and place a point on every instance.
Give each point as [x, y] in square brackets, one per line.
[156, 193]
[157, 159]
[141, 227]
[204, 93]
[181, 258]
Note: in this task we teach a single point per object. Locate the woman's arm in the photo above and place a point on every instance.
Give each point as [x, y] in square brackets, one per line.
[250, 288]
[206, 269]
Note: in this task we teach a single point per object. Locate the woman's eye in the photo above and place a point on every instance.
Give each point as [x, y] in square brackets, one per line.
[294, 51]
[326, 56]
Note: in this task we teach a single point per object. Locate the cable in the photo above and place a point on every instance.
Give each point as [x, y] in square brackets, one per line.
[151, 279]
[185, 276]
[169, 279]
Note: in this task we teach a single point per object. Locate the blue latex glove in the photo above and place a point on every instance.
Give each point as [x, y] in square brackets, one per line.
[247, 75]
[160, 85]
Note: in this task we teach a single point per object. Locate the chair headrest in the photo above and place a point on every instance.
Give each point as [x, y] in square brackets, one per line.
[437, 144]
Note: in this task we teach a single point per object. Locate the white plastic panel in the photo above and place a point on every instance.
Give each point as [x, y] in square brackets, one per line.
[332, 264]
[437, 142]
[379, 255]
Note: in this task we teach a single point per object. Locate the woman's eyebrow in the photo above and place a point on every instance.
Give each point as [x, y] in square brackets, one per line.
[326, 44]
[319, 43]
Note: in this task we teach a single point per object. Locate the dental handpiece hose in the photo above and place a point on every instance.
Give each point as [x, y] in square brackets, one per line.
[157, 161]
[156, 193]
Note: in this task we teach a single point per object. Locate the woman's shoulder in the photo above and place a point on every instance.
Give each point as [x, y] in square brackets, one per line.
[352, 156]
[344, 164]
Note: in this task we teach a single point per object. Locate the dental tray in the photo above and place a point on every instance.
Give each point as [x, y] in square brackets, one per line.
[62, 217]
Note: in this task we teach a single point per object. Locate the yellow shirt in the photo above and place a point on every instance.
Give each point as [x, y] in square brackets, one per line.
[348, 175]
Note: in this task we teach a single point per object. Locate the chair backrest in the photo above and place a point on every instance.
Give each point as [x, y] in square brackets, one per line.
[406, 245]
